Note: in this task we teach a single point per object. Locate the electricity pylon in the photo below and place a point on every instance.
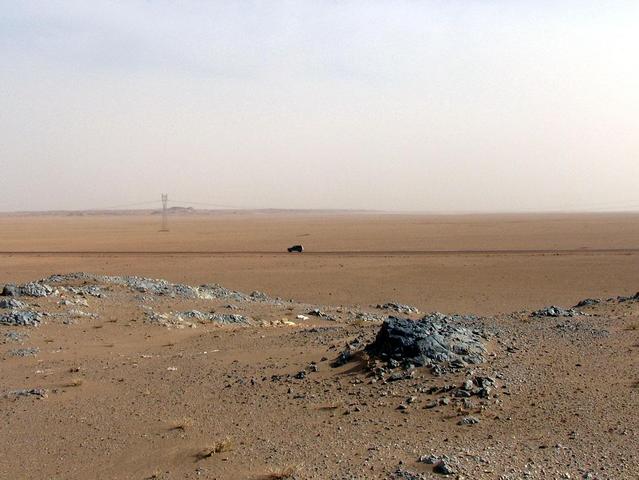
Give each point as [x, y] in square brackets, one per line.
[165, 201]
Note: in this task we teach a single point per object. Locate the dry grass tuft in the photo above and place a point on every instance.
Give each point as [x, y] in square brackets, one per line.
[283, 474]
[363, 323]
[225, 445]
[181, 424]
[75, 382]
[156, 475]
[222, 446]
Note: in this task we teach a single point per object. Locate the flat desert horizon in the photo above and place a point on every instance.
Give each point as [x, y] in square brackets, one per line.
[481, 263]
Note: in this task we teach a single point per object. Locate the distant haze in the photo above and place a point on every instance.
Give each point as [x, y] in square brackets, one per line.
[392, 105]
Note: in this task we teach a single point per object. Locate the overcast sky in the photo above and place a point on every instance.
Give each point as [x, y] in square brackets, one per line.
[396, 105]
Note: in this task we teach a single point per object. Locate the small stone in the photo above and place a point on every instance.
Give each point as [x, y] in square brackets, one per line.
[443, 468]
[11, 303]
[429, 459]
[29, 392]
[25, 352]
[468, 421]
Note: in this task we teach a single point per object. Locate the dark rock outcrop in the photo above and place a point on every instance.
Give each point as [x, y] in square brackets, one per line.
[432, 340]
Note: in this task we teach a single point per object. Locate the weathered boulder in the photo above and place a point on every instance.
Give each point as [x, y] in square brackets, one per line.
[634, 297]
[554, 311]
[587, 302]
[20, 318]
[10, 291]
[432, 340]
[398, 307]
[11, 303]
[33, 289]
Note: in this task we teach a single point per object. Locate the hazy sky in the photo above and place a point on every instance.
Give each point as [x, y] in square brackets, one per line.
[397, 105]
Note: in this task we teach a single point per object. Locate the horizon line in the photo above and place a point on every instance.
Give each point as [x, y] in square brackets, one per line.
[177, 210]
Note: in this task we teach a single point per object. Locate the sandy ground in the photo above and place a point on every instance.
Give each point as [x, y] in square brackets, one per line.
[349, 259]
[126, 398]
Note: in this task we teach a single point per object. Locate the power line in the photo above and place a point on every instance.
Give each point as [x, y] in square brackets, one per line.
[165, 201]
[216, 205]
[149, 202]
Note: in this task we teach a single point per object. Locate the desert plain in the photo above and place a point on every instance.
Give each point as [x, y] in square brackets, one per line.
[267, 372]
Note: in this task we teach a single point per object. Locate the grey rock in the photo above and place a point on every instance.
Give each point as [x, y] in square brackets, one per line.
[11, 303]
[468, 421]
[343, 358]
[462, 393]
[443, 468]
[10, 290]
[25, 352]
[554, 311]
[91, 290]
[347, 354]
[366, 317]
[316, 312]
[28, 392]
[256, 295]
[15, 336]
[587, 302]
[429, 459]
[191, 317]
[468, 385]
[458, 363]
[232, 319]
[401, 474]
[33, 289]
[398, 307]
[392, 363]
[81, 314]
[36, 289]
[432, 340]
[21, 318]
[168, 320]
[396, 376]
[631, 298]
[157, 287]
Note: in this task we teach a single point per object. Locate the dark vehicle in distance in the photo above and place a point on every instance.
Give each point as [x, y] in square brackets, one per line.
[296, 249]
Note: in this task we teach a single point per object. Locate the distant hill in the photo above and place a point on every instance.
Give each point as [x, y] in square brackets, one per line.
[176, 211]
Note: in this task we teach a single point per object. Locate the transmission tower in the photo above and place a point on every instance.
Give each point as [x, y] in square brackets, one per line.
[165, 201]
